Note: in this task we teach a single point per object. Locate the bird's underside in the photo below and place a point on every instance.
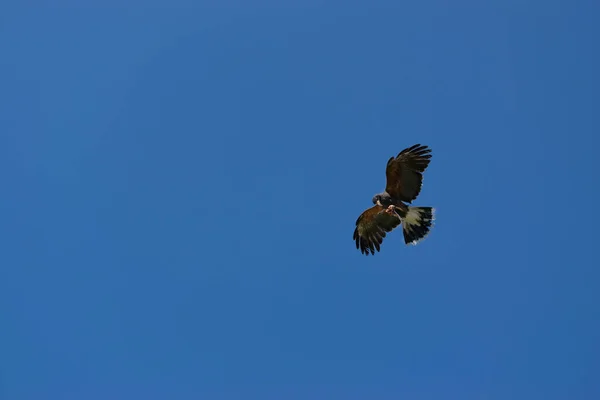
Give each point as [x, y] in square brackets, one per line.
[404, 177]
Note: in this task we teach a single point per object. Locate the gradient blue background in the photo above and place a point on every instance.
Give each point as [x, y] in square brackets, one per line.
[180, 182]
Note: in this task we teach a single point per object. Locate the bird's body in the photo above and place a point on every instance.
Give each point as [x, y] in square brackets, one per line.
[404, 175]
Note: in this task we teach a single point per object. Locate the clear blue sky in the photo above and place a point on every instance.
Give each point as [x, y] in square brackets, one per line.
[180, 182]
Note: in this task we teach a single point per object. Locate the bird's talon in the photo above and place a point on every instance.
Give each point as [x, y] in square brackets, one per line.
[391, 210]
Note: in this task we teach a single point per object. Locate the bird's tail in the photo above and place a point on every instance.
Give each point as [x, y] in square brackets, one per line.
[417, 223]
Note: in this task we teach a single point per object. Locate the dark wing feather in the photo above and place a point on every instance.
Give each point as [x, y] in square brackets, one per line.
[404, 173]
[371, 228]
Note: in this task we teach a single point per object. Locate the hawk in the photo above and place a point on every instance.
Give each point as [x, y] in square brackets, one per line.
[404, 177]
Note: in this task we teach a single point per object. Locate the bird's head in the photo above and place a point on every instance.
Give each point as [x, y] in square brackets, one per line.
[382, 199]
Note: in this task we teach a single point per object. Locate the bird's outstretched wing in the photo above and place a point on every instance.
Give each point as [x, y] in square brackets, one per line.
[404, 173]
[371, 228]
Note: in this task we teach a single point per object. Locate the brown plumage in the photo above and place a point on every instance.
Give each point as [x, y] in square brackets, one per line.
[404, 178]
[404, 173]
[371, 228]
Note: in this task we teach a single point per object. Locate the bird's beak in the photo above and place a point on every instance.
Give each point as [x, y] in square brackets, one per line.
[379, 203]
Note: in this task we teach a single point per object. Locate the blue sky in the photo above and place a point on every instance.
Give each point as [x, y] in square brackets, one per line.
[181, 181]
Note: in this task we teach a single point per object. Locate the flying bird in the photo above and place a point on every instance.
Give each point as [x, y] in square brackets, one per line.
[404, 178]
